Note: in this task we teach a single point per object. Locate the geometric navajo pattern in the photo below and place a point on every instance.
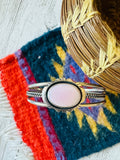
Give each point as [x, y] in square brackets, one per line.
[49, 134]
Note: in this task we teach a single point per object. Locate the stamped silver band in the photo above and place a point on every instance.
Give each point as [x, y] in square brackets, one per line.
[65, 95]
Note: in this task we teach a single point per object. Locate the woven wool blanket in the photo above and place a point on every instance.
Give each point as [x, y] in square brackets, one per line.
[51, 135]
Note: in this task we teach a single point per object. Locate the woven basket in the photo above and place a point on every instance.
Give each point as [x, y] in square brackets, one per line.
[91, 31]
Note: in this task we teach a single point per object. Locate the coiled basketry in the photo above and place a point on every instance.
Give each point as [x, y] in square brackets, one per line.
[91, 31]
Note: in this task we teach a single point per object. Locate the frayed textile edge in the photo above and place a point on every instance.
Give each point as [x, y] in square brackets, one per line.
[11, 144]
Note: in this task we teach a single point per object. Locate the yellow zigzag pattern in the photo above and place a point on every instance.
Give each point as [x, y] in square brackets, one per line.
[79, 115]
[102, 119]
[59, 68]
[109, 105]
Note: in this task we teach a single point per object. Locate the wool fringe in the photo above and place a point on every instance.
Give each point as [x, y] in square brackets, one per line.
[11, 145]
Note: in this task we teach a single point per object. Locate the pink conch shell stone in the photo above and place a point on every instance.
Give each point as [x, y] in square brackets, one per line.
[64, 95]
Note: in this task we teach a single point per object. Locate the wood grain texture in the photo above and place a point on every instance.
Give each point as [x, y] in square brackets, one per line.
[23, 20]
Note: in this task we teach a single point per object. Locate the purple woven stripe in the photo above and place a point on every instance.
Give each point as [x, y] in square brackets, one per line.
[44, 114]
[79, 76]
[93, 112]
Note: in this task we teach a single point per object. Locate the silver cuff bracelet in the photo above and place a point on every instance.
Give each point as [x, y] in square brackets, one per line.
[65, 95]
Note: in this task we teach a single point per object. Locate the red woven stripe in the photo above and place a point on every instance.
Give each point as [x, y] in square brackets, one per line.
[26, 115]
[72, 69]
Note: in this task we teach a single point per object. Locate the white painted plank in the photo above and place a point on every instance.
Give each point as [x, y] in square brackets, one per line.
[24, 20]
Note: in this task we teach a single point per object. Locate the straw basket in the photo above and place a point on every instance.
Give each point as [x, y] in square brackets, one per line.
[91, 31]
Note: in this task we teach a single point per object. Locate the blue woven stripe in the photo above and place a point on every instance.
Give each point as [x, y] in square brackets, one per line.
[76, 142]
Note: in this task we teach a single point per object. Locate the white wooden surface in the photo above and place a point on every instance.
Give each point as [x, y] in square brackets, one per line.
[23, 20]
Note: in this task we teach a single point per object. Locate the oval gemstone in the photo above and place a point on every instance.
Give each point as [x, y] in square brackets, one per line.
[64, 95]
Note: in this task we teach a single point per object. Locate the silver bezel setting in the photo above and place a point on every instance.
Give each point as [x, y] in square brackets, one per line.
[40, 90]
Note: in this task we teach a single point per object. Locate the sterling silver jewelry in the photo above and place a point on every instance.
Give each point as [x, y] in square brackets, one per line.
[65, 95]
